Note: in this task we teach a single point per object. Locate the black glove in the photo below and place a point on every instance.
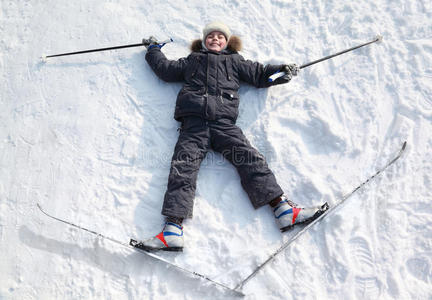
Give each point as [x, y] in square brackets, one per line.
[290, 71]
[151, 42]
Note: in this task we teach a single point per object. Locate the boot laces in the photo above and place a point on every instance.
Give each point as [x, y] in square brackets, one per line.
[291, 203]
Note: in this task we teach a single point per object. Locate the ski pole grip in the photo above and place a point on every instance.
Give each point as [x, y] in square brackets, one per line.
[276, 76]
[170, 40]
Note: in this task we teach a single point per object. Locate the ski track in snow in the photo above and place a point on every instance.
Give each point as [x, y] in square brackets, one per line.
[90, 137]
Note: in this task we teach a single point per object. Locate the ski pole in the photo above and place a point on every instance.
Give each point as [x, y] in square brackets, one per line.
[44, 57]
[276, 75]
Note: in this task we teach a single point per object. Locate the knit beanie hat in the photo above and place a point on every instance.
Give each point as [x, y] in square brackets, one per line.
[216, 26]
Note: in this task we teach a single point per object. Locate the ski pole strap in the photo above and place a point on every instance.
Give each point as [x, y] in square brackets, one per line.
[160, 44]
[157, 45]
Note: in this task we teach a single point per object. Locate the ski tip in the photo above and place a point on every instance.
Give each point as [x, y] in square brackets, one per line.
[404, 145]
[238, 290]
[239, 293]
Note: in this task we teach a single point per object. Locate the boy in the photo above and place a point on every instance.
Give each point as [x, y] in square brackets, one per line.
[207, 107]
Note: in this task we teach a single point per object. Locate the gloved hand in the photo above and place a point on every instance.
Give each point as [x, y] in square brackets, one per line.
[290, 71]
[151, 42]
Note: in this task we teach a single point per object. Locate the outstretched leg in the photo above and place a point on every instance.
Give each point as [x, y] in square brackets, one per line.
[257, 179]
[190, 150]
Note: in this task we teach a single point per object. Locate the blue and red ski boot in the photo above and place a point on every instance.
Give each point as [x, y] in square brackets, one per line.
[288, 214]
[170, 239]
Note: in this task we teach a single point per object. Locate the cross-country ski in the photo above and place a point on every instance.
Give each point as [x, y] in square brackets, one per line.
[158, 257]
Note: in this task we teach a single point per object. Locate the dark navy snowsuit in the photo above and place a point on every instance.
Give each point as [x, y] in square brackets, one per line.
[207, 106]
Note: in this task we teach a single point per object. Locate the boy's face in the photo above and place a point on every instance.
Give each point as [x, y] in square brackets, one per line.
[215, 41]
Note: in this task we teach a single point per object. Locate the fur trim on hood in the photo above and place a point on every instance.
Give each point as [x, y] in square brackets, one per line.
[234, 44]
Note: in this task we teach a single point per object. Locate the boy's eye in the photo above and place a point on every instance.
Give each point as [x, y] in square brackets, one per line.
[211, 36]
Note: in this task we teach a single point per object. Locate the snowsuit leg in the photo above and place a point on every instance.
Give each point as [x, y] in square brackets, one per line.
[257, 179]
[191, 148]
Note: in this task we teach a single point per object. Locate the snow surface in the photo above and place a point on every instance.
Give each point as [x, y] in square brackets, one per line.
[90, 138]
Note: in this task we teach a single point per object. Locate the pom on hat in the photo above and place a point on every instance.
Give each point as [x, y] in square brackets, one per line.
[216, 26]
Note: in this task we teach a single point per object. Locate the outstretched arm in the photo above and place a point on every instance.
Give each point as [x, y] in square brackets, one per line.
[165, 69]
[258, 74]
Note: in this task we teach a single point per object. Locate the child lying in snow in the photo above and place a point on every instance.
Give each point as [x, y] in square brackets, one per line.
[207, 107]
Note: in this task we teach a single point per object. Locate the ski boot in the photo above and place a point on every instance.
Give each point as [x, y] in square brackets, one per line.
[288, 214]
[170, 239]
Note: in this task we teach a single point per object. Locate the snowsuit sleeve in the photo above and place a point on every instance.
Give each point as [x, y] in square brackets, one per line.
[165, 69]
[256, 73]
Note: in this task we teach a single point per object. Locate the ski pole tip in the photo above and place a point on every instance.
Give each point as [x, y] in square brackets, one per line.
[43, 58]
[379, 38]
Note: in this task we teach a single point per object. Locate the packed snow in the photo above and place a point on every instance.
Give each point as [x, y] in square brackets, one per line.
[90, 138]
